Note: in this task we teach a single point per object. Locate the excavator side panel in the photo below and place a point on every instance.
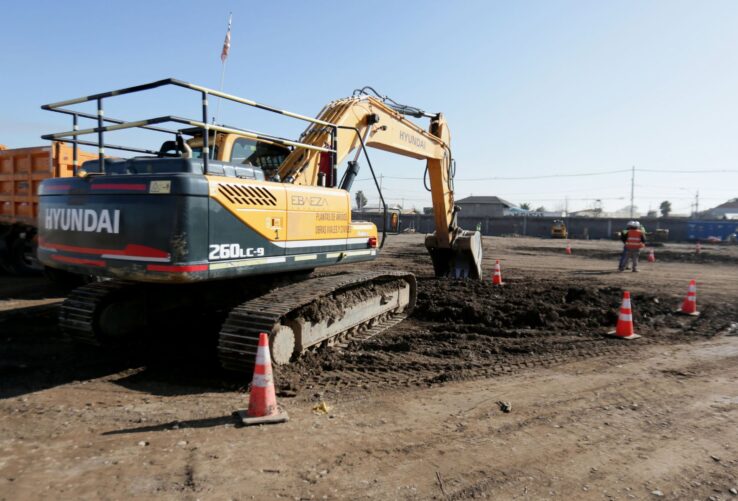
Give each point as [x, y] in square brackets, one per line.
[185, 227]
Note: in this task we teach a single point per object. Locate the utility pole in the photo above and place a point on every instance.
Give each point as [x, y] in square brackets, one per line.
[632, 190]
[696, 203]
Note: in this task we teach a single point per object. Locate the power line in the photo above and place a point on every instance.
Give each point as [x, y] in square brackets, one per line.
[546, 176]
[517, 178]
[722, 171]
[580, 174]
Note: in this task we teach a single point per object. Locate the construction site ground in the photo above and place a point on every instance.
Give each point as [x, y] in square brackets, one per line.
[414, 413]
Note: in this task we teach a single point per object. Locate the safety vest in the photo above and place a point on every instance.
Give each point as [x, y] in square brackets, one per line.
[633, 241]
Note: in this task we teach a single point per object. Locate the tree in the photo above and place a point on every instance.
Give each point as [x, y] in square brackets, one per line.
[665, 208]
[360, 200]
[541, 209]
[525, 206]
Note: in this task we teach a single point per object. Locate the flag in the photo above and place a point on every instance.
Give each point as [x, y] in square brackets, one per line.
[227, 41]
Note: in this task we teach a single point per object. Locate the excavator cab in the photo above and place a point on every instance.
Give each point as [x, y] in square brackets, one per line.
[238, 149]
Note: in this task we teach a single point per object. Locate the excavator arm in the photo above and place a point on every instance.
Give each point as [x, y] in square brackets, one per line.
[347, 123]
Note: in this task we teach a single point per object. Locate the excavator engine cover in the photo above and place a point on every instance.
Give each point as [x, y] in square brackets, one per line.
[462, 260]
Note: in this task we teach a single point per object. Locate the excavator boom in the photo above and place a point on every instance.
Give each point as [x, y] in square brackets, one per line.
[368, 121]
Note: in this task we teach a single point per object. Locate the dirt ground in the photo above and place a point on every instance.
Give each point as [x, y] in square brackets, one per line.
[413, 413]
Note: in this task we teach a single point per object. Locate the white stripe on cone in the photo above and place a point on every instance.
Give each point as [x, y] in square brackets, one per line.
[262, 358]
[261, 380]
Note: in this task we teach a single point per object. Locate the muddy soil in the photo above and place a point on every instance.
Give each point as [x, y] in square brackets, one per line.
[410, 414]
[465, 329]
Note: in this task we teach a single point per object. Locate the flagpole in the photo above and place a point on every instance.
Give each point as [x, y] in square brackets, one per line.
[222, 76]
[224, 60]
[222, 79]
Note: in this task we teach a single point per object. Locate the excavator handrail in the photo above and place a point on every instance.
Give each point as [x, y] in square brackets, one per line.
[186, 85]
[147, 123]
[185, 121]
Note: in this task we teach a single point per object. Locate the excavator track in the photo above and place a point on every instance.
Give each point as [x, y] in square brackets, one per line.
[282, 313]
[78, 314]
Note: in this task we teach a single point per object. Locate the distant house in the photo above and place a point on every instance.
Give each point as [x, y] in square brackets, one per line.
[621, 213]
[586, 213]
[516, 211]
[483, 206]
[728, 210]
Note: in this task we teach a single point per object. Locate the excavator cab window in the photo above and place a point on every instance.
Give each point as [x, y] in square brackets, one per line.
[196, 145]
[197, 151]
[266, 156]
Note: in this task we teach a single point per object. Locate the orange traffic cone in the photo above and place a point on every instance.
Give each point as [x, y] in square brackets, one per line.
[689, 306]
[497, 277]
[568, 248]
[698, 248]
[651, 256]
[624, 327]
[263, 407]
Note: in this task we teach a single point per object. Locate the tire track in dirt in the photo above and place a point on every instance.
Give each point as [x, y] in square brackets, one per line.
[352, 383]
[601, 428]
[595, 421]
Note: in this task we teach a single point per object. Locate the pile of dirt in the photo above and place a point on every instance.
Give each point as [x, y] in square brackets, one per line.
[462, 327]
[667, 256]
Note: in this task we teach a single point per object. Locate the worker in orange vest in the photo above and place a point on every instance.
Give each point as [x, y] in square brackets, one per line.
[635, 240]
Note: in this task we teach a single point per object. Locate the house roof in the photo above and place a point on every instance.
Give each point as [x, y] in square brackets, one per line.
[730, 204]
[485, 201]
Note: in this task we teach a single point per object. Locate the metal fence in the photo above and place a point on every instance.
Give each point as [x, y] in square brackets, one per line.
[578, 227]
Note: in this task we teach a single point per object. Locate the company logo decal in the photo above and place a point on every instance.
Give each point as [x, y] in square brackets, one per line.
[86, 220]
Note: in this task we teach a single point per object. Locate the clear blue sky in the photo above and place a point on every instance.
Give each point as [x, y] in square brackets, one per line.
[530, 88]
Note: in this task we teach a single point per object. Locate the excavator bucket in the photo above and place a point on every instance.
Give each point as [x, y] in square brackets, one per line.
[462, 260]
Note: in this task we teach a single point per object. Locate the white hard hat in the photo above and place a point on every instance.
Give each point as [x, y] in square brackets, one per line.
[636, 224]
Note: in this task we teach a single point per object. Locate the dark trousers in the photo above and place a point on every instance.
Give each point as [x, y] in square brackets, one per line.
[632, 254]
[629, 255]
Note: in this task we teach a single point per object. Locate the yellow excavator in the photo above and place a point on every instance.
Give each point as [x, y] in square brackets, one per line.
[558, 229]
[232, 222]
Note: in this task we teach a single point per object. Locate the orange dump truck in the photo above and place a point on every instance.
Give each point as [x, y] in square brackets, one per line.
[21, 172]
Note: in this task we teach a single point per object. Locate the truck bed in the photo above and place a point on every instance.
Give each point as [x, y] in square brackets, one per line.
[21, 172]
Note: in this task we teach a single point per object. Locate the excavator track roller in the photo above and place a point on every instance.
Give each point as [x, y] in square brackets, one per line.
[320, 311]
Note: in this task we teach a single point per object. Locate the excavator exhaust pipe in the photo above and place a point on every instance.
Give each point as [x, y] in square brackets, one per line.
[462, 260]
